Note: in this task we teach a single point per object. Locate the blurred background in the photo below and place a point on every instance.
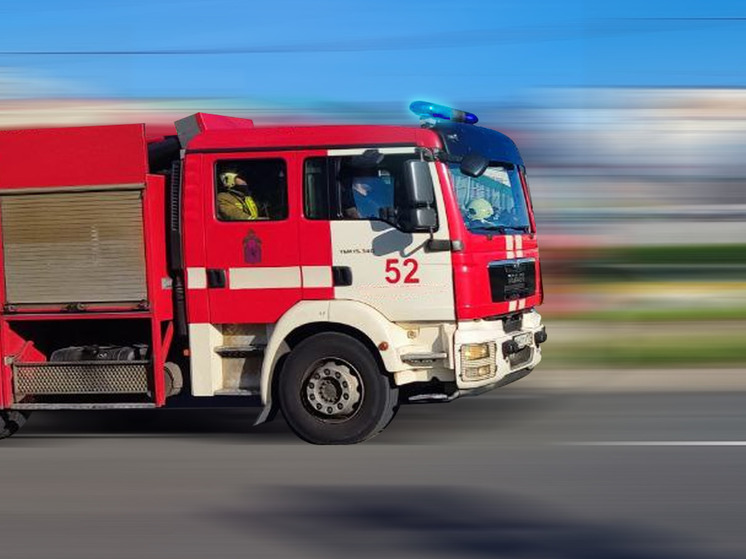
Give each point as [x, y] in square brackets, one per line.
[631, 119]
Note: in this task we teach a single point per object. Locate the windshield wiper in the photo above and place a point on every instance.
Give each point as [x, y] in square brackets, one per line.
[489, 227]
[502, 229]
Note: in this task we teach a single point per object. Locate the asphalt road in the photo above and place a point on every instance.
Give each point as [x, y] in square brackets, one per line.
[532, 471]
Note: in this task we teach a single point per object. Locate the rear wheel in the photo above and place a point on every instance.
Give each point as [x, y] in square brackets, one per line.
[11, 421]
[332, 391]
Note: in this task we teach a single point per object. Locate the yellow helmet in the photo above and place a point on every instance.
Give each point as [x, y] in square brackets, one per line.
[228, 179]
[479, 208]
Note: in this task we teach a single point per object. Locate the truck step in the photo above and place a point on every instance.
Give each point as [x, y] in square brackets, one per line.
[422, 358]
[236, 392]
[239, 350]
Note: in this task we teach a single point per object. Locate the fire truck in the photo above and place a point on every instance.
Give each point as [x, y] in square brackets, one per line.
[331, 273]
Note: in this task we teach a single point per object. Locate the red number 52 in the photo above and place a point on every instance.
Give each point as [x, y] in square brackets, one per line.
[408, 270]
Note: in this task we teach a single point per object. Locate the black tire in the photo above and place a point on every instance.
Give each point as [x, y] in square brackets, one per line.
[375, 399]
[11, 421]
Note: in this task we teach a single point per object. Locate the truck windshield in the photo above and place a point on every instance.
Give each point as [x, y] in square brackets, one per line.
[493, 202]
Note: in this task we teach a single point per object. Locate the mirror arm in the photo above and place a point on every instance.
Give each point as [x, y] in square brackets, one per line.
[446, 157]
[427, 154]
[443, 245]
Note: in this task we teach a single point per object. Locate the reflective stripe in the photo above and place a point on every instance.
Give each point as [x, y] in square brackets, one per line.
[196, 278]
[264, 278]
[246, 204]
[519, 246]
[317, 276]
[509, 244]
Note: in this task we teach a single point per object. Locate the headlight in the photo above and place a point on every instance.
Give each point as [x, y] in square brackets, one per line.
[473, 352]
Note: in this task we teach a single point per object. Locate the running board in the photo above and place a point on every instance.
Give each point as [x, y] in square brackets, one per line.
[423, 358]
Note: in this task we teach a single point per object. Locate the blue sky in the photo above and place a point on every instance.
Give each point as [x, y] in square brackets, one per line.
[348, 51]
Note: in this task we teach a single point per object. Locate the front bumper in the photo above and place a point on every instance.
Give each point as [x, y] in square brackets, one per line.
[503, 352]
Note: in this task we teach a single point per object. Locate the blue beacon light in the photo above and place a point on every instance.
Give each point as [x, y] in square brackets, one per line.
[423, 109]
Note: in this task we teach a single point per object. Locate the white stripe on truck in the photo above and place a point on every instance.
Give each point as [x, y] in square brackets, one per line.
[197, 278]
[264, 278]
[317, 276]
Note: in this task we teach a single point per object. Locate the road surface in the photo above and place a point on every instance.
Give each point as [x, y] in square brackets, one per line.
[536, 470]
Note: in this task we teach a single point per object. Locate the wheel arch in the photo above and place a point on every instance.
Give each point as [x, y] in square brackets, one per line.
[353, 318]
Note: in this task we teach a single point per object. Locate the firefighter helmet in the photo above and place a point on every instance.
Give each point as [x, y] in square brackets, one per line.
[228, 179]
[479, 208]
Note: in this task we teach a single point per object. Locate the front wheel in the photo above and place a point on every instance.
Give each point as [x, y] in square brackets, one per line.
[332, 391]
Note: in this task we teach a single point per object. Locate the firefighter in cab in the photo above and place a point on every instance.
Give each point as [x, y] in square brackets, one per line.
[235, 201]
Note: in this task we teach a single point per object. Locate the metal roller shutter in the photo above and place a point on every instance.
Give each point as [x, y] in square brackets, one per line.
[73, 247]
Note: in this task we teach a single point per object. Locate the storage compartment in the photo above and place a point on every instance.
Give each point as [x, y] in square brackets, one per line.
[63, 248]
[81, 361]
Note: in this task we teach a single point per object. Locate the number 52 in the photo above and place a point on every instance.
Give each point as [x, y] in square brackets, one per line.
[408, 270]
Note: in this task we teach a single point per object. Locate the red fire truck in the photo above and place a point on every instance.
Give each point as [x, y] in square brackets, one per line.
[330, 272]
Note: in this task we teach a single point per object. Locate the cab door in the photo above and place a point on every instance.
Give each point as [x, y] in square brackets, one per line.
[252, 260]
[356, 193]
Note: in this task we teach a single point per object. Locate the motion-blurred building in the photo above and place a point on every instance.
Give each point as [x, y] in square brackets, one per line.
[624, 166]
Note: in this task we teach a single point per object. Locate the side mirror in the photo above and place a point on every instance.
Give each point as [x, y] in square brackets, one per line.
[474, 165]
[418, 183]
[418, 215]
[418, 220]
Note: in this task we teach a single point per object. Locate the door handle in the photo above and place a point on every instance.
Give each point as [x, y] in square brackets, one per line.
[215, 278]
[341, 276]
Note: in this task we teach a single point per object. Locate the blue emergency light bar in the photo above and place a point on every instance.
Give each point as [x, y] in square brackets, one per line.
[423, 109]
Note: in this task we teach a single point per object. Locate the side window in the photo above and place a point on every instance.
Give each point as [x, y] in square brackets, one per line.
[353, 187]
[251, 189]
[316, 192]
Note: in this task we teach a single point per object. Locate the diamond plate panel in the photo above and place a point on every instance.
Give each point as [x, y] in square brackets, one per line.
[81, 377]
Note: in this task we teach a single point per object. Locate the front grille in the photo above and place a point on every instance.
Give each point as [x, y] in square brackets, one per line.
[80, 377]
[512, 279]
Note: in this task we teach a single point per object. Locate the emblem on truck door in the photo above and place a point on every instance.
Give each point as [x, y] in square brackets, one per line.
[252, 248]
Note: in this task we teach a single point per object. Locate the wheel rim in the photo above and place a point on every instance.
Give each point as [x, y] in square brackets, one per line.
[332, 390]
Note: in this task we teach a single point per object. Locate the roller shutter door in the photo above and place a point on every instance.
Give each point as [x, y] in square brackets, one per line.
[73, 247]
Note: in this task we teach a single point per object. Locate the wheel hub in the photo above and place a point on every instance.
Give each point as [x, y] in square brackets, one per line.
[332, 389]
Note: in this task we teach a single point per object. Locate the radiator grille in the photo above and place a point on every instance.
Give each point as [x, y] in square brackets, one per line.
[512, 279]
[73, 247]
[81, 377]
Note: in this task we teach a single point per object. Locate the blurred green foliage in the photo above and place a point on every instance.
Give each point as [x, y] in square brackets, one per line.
[648, 348]
[649, 306]
[674, 262]
[677, 254]
[657, 314]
